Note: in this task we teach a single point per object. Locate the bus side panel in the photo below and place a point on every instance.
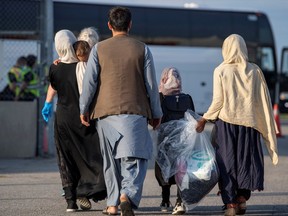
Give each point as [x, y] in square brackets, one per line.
[196, 66]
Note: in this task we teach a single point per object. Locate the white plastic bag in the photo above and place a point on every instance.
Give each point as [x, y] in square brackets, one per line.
[189, 156]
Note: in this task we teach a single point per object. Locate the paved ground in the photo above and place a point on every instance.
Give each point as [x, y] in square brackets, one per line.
[30, 187]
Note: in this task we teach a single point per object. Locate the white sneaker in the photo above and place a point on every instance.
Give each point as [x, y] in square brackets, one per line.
[179, 209]
[71, 206]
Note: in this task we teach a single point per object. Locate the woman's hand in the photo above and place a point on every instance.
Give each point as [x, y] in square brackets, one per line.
[47, 111]
[201, 125]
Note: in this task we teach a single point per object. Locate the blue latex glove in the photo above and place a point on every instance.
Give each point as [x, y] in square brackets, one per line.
[47, 111]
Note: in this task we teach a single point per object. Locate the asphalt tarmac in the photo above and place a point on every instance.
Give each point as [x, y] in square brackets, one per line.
[32, 187]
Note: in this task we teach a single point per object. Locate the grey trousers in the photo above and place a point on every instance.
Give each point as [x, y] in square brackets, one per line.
[122, 176]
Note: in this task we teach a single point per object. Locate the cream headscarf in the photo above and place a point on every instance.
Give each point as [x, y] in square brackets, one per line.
[234, 50]
[170, 82]
[64, 40]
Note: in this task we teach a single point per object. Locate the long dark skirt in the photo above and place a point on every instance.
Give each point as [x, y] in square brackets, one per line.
[239, 156]
[80, 161]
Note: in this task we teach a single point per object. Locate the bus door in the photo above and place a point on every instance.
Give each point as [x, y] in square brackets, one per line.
[266, 60]
[283, 94]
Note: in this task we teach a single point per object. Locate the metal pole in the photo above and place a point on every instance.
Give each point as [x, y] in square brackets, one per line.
[277, 89]
[49, 57]
[46, 34]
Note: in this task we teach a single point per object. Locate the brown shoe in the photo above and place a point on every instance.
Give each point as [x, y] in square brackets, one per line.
[231, 209]
[241, 208]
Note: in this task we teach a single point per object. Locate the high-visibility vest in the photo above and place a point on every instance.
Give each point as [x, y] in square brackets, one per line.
[33, 85]
[17, 72]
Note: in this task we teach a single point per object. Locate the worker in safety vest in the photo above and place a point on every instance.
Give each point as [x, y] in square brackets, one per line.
[14, 77]
[29, 89]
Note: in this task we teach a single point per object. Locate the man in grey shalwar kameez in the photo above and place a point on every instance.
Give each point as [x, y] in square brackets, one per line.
[120, 90]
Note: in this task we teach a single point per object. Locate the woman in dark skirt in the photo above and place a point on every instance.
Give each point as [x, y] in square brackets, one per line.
[242, 111]
[79, 157]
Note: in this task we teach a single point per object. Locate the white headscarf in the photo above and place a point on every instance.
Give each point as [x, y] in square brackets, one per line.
[170, 82]
[64, 40]
[90, 35]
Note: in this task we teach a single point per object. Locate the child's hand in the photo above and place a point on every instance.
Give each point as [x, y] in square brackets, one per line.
[85, 119]
[55, 62]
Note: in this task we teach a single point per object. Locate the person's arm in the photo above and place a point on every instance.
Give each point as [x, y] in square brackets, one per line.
[50, 94]
[216, 105]
[218, 97]
[90, 82]
[152, 89]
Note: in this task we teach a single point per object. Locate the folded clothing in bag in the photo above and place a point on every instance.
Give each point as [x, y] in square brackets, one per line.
[196, 177]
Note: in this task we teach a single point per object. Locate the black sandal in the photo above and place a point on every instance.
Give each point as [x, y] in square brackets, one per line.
[126, 209]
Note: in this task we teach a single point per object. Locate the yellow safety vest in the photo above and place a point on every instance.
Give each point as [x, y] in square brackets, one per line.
[18, 75]
[33, 85]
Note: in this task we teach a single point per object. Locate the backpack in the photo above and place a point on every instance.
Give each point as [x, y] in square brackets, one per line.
[175, 106]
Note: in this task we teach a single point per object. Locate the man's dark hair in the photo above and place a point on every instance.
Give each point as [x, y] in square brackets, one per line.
[119, 18]
[22, 60]
[31, 60]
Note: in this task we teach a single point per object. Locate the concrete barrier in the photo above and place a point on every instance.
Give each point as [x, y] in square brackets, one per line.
[18, 129]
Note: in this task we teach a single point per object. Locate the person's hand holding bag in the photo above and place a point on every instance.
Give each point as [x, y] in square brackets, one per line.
[155, 123]
[47, 111]
[200, 125]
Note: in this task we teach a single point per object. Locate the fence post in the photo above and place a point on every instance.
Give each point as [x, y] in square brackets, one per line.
[45, 132]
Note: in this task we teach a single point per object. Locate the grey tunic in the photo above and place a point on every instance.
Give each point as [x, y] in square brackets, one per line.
[128, 135]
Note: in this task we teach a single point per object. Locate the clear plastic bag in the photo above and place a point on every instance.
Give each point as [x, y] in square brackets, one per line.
[189, 156]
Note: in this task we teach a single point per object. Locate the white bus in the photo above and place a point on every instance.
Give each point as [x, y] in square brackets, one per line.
[180, 35]
[189, 39]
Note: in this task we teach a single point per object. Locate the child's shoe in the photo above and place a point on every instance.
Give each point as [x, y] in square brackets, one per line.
[179, 209]
[164, 206]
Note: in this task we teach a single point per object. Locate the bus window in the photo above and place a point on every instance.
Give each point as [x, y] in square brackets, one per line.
[246, 26]
[265, 31]
[267, 62]
[285, 63]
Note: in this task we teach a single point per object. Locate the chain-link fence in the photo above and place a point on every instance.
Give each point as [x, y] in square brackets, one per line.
[19, 36]
[25, 53]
